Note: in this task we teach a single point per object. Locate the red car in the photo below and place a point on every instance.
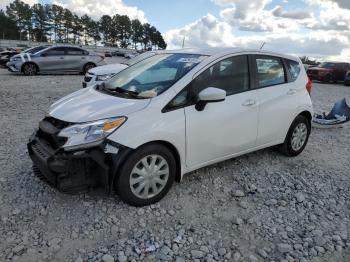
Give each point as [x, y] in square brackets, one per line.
[328, 72]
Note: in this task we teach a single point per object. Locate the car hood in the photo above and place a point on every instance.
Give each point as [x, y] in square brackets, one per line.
[89, 104]
[107, 69]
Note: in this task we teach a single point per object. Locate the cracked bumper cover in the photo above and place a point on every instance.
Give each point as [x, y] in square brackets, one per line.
[76, 170]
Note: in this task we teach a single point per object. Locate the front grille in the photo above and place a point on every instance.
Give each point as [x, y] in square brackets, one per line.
[87, 78]
[38, 150]
[49, 134]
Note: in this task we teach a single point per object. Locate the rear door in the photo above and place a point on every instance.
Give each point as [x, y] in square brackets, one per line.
[277, 99]
[52, 59]
[75, 59]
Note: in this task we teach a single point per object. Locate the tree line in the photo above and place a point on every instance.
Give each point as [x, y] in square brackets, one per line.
[53, 23]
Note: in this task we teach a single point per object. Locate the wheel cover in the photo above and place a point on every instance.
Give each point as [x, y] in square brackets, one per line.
[149, 176]
[30, 69]
[299, 136]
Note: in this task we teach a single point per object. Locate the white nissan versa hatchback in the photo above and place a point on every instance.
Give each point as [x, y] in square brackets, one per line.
[170, 114]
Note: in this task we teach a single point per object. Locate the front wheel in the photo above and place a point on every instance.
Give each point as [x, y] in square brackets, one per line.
[146, 176]
[29, 69]
[297, 137]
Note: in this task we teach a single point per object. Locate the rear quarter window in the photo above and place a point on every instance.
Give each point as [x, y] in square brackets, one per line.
[294, 69]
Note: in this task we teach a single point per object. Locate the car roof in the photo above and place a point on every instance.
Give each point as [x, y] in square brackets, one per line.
[226, 51]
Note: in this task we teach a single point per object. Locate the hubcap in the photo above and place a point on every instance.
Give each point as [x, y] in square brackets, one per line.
[149, 176]
[299, 136]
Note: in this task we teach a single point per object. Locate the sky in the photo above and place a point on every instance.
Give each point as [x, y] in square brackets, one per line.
[315, 28]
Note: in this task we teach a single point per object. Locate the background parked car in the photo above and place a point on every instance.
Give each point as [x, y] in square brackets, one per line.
[131, 55]
[329, 72]
[100, 74]
[118, 53]
[55, 59]
[5, 57]
[108, 54]
[347, 79]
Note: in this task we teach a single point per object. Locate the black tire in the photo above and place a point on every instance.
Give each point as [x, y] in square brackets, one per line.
[123, 185]
[286, 148]
[29, 69]
[87, 67]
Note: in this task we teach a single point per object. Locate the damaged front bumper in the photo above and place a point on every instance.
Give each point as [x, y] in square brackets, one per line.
[78, 169]
[13, 66]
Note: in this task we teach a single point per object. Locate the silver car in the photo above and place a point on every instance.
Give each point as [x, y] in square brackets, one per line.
[55, 59]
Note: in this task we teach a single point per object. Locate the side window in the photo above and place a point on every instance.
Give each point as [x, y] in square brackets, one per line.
[231, 75]
[269, 71]
[180, 100]
[293, 68]
[56, 51]
[74, 51]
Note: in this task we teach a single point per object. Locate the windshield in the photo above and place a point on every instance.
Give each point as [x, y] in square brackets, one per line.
[138, 58]
[327, 65]
[153, 75]
[34, 50]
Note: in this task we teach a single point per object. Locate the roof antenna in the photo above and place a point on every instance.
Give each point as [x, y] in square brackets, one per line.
[262, 45]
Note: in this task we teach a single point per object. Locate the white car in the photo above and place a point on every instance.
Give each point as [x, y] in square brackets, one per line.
[170, 114]
[100, 74]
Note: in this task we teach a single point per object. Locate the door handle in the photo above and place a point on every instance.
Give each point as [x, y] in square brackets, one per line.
[61, 57]
[291, 92]
[249, 102]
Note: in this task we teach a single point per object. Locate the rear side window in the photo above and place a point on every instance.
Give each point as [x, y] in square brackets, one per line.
[293, 68]
[270, 71]
[56, 51]
[74, 51]
[231, 75]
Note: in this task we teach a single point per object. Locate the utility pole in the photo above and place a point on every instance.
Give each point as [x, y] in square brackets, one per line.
[183, 42]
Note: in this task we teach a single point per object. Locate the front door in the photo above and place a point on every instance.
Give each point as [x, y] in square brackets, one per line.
[223, 128]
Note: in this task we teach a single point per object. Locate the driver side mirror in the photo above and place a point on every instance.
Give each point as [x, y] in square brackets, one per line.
[43, 54]
[209, 95]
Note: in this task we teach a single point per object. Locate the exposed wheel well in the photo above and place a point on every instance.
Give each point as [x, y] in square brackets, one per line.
[88, 63]
[308, 116]
[30, 62]
[175, 153]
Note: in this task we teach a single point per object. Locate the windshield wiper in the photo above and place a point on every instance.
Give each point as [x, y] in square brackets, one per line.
[125, 91]
[110, 89]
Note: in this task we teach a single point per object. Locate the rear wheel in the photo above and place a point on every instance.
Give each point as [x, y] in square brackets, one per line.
[29, 69]
[146, 176]
[87, 67]
[297, 137]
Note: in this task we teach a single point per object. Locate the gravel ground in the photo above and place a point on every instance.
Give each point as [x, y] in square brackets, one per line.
[258, 207]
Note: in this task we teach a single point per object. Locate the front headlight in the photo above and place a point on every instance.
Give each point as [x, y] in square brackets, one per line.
[104, 77]
[86, 133]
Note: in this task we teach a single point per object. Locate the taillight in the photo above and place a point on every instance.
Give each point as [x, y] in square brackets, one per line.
[309, 86]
